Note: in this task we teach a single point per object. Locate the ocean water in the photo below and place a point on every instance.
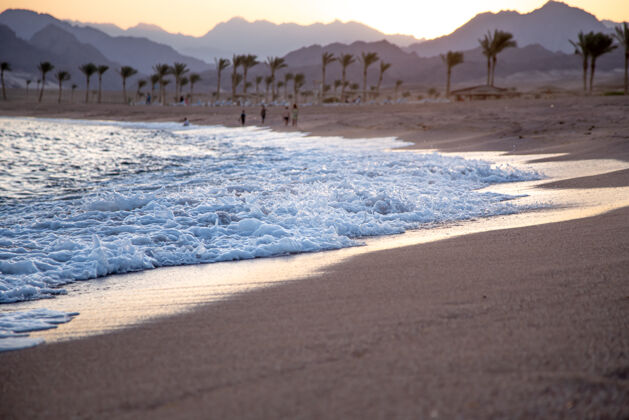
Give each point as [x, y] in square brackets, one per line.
[80, 199]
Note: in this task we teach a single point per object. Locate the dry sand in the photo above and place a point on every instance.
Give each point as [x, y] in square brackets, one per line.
[518, 323]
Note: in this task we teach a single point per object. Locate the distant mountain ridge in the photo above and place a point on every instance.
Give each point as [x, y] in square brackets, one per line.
[551, 26]
[260, 37]
[139, 53]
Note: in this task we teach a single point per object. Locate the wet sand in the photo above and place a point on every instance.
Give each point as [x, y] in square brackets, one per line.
[517, 323]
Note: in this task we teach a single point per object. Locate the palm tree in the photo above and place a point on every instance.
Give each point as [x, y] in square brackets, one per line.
[258, 81]
[275, 64]
[622, 36]
[183, 82]
[582, 48]
[383, 67]
[178, 70]
[88, 70]
[221, 64]
[298, 82]
[367, 59]
[162, 70]
[44, 67]
[337, 84]
[502, 40]
[268, 82]
[451, 59]
[141, 84]
[100, 70]
[398, 83]
[28, 82]
[345, 60]
[154, 79]
[326, 59]
[287, 78]
[61, 77]
[248, 61]
[236, 62]
[126, 72]
[486, 44]
[74, 86]
[236, 79]
[194, 78]
[601, 44]
[4, 66]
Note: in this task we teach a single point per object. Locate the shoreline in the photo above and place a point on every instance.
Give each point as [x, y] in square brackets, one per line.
[345, 326]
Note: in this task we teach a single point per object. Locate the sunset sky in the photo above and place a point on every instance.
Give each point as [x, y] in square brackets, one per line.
[195, 17]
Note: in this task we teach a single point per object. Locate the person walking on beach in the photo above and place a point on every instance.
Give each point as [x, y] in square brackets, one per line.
[295, 115]
[263, 113]
[243, 117]
[286, 116]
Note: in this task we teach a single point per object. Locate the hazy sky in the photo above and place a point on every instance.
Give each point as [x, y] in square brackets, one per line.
[195, 17]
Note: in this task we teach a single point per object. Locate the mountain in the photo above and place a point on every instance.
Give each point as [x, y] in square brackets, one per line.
[140, 53]
[551, 26]
[261, 37]
[610, 23]
[62, 49]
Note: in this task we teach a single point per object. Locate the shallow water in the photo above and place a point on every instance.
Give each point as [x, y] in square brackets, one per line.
[82, 200]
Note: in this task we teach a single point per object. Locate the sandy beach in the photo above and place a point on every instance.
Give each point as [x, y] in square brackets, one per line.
[517, 323]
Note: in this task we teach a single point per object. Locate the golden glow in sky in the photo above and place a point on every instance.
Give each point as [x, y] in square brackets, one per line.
[423, 19]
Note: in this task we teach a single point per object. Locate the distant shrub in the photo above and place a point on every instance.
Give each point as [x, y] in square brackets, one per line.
[331, 100]
[614, 93]
[406, 94]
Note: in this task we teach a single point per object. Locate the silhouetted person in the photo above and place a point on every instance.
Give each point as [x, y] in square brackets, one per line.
[243, 117]
[295, 115]
[286, 115]
[263, 114]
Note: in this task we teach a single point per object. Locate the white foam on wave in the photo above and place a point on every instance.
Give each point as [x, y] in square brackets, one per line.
[15, 326]
[105, 198]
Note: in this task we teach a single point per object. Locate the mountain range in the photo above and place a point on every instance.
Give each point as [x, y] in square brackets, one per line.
[139, 53]
[260, 37]
[551, 26]
[26, 38]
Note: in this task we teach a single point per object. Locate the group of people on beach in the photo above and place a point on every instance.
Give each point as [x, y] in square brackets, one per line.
[288, 115]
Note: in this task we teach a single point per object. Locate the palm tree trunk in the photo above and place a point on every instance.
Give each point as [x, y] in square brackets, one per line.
[273, 93]
[448, 81]
[218, 87]
[626, 80]
[41, 91]
[59, 98]
[493, 69]
[100, 84]
[592, 69]
[380, 77]
[87, 89]
[343, 85]
[4, 91]
[322, 96]
[585, 74]
[124, 90]
[244, 82]
[488, 70]
[365, 84]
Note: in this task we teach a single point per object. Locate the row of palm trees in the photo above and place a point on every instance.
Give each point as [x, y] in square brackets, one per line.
[589, 46]
[275, 64]
[88, 69]
[592, 45]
